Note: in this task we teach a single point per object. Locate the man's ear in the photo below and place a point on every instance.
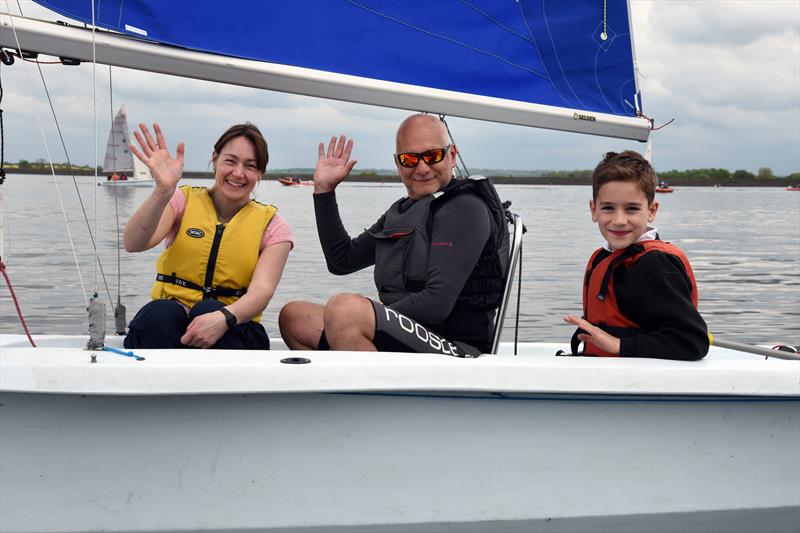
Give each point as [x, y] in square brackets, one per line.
[591, 210]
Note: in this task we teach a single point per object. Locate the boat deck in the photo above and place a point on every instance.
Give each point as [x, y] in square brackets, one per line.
[60, 364]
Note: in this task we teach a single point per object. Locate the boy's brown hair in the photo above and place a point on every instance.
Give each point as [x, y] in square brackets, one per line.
[625, 166]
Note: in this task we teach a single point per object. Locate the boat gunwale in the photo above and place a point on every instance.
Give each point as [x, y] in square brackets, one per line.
[60, 370]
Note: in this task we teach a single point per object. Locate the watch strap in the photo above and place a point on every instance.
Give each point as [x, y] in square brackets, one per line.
[230, 318]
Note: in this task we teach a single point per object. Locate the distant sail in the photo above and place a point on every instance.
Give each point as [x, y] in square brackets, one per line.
[119, 158]
[122, 168]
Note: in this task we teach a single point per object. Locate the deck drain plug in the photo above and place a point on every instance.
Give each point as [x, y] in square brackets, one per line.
[295, 360]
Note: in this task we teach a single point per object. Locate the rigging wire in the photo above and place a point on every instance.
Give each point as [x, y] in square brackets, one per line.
[74, 179]
[116, 202]
[463, 172]
[49, 158]
[94, 130]
[120, 320]
[519, 299]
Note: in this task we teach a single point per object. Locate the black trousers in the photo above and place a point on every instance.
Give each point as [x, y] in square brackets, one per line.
[162, 323]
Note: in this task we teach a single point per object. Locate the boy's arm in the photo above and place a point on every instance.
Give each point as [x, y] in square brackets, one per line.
[656, 293]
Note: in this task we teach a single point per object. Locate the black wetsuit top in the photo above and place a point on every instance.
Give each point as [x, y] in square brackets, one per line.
[655, 292]
[461, 228]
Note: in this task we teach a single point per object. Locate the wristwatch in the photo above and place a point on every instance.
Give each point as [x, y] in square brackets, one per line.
[230, 318]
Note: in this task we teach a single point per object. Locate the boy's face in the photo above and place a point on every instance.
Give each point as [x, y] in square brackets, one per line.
[622, 213]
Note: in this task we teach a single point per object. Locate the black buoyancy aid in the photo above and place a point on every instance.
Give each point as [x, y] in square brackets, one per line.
[403, 245]
[600, 306]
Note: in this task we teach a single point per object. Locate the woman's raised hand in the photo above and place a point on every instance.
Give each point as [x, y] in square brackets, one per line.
[165, 169]
[334, 165]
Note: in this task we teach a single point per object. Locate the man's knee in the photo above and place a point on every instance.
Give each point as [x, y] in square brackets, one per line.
[300, 324]
[347, 311]
[290, 316]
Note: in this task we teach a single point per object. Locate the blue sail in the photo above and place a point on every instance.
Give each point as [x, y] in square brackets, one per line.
[535, 51]
[563, 65]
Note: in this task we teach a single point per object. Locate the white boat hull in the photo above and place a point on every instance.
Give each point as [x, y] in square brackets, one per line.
[126, 183]
[226, 441]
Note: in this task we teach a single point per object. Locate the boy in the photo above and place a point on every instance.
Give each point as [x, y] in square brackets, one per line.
[639, 293]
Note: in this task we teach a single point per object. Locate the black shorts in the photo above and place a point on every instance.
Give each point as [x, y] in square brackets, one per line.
[395, 332]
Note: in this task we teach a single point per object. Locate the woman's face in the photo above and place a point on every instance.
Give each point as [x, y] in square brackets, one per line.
[236, 170]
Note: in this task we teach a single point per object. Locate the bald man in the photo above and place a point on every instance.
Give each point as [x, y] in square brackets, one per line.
[440, 256]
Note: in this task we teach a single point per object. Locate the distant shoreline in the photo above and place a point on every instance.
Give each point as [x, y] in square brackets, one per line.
[501, 180]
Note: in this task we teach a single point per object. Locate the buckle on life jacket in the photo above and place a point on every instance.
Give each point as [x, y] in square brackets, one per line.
[208, 292]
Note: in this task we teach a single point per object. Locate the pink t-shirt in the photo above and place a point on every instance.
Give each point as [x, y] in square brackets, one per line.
[278, 230]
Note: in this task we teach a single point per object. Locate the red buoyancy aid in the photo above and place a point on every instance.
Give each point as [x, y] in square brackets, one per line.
[600, 306]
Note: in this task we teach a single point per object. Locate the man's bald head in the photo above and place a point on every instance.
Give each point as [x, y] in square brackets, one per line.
[420, 121]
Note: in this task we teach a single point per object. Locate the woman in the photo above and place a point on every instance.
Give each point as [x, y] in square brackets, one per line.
[224, 253]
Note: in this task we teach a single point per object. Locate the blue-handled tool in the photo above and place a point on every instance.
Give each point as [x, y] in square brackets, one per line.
[122, 352]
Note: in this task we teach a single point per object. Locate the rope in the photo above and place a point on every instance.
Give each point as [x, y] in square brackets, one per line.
[652, 122]
[2, 141]
[16, 303]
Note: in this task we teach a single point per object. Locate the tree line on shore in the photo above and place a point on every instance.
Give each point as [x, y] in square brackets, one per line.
[699, 176]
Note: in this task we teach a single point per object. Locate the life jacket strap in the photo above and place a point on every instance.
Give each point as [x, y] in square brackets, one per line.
[631, 251]
[575, 342]
[208, 292]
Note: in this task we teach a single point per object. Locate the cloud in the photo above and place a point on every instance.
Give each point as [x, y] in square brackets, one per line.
[729, 72]
[725, 23]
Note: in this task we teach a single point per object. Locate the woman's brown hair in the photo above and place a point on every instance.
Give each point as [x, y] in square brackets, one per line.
[251, 133]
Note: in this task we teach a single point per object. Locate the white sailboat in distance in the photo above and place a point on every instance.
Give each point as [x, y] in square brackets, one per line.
[120, 167]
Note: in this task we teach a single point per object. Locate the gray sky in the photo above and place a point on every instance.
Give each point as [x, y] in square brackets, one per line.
[727, 71]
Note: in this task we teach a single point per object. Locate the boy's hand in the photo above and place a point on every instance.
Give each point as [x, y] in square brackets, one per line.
[594, 335]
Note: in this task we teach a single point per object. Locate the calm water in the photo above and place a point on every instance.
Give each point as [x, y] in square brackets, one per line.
[744, 245]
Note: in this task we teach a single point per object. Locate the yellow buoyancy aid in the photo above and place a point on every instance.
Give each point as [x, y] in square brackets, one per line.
[209, 259]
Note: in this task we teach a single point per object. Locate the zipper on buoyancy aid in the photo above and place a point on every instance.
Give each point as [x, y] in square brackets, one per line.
[212, 262]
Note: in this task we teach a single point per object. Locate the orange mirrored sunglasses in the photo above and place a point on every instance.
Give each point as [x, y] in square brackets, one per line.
[431, 157]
